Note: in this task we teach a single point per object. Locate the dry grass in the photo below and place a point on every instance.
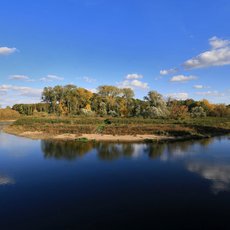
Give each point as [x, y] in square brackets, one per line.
[52, 126]
[8, 114]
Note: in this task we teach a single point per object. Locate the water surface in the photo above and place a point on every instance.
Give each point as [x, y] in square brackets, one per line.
[71, 185]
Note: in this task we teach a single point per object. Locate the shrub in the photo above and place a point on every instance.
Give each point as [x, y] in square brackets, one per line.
[178, 111]
[107, 121]
[8, 114]
[198, 111]
[86, 112]
[112, 113]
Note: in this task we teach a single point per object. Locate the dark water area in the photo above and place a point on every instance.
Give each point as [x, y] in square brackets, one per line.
[72, 185]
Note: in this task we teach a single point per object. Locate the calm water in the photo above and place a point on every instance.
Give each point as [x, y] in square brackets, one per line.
[69, 185]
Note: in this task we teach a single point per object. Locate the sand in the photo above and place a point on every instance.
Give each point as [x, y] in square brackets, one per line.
[96, 137]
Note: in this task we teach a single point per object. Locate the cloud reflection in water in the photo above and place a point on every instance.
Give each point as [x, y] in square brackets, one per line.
[6, 180]
[217, 172]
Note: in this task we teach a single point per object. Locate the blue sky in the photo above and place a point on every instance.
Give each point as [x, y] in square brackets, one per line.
[179, 48]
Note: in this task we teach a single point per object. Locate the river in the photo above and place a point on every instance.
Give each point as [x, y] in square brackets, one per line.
[73, 185]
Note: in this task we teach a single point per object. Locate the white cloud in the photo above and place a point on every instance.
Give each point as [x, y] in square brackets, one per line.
[139, 84]
[133, 76]
[92, 90]
[214, 93]
[168, 71]
[200, 87]
[51, 78]
[20, 77]
[182, 78]
[7, 50]
[48, 78]
[133, 84]
[12, 94]
[31, 92]
[3, 92]
[5, 101]
[218, 55]
[22, 90]
[158, 78]
[215, 96]
[132, 81]
[216, 42]
[178, 96]
[89, 79]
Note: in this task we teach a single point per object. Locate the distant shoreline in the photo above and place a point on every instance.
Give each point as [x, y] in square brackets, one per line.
[118, 131]
[104, 138]
[91, 137]
[108, 138]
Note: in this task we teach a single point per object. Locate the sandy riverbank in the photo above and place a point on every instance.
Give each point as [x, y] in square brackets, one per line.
[119, 131]
[96, 137]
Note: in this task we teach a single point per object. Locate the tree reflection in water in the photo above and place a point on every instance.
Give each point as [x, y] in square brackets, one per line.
[216, 171]
[108, 151]
[71, 150]
[113, 151]
[154, 151]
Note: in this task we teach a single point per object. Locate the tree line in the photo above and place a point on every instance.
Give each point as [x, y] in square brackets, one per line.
[71, 100]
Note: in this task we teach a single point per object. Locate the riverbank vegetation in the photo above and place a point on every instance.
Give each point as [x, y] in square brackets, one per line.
[113, 111]
[111, 101]
[51, 127]
[8, 114]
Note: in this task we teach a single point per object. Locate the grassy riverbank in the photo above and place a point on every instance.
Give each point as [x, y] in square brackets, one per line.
[132, 129]
[8, 115]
